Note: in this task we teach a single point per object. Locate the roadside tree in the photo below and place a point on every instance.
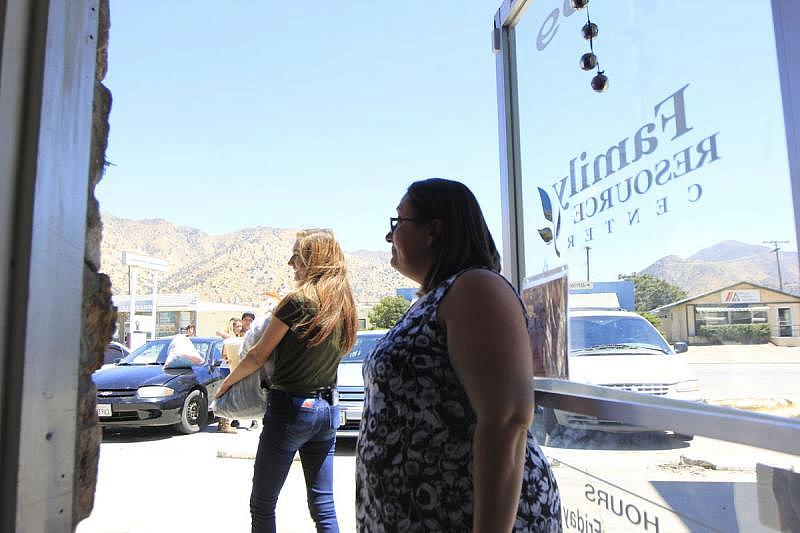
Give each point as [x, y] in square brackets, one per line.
[387, 312]
[652, 292]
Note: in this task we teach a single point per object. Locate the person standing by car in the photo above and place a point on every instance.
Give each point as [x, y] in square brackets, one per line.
[310, 331]
[445, 440]
[232, 329]
[230, 355]
[247, 321]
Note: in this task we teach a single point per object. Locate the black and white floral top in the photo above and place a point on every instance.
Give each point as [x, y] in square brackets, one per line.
[414, 465]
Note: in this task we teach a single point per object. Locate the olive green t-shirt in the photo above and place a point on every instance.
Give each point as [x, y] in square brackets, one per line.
[297, 367]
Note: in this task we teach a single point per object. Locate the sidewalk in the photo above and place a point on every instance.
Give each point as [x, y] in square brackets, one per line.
[153, 480]
[742, 353]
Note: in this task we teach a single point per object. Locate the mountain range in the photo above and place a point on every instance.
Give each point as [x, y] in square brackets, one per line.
[237, 267]
[241, 266]
[726, 263]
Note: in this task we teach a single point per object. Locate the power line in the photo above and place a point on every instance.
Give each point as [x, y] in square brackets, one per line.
[778, 259]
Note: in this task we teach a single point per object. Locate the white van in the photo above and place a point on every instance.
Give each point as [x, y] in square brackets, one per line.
[621, 350]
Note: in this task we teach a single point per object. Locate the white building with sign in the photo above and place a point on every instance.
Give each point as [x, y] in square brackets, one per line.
[173, 313]
[741, 310]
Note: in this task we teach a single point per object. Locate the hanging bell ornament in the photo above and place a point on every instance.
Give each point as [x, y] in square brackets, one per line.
[589, 30]
[600, 82]
[588, 61]
[579, 4]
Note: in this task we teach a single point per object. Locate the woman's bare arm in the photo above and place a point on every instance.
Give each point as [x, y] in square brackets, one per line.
[488, 346]
[257, 355]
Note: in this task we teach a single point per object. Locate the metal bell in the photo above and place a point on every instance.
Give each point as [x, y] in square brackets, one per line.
[600, 82]
[588, 61]
[589, 30]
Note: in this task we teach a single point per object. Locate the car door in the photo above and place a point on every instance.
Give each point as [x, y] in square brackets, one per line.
[215, 369]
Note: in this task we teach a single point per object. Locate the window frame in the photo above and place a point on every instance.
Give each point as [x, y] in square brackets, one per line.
[764, 431]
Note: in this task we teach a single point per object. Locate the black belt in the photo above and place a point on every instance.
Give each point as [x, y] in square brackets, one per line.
[309, 393]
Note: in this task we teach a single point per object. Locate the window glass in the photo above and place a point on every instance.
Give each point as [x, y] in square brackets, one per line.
[645, 211]
[150, 353]
[111, 354]
[202, 348]
[646, 207]
[167, 323]
[657, 481]
[216, 354]
[363, 346]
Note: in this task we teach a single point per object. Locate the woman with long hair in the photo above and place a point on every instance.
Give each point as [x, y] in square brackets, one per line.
[445, 441]
[311, 329]
[229, 330]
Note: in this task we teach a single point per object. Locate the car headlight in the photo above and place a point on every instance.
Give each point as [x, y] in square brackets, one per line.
[154, 392]
[687, 386]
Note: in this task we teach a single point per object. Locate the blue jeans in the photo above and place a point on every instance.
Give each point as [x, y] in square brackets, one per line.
[292, 424]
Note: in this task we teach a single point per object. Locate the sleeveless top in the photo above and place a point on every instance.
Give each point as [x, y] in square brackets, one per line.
[414, 461]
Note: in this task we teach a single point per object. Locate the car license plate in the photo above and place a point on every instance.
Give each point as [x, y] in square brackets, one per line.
[342, 418]
[104, 409]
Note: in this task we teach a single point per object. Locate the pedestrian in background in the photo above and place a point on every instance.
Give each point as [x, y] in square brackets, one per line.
[232, 329]
[230, 355]
[247, 321]
[445, 442]
[310, 331]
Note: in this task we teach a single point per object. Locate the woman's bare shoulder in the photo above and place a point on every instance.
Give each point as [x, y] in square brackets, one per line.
[478, 289]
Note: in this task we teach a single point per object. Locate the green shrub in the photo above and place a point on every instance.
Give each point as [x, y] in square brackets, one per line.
[387, 312]
[741, 333]
[653, 319]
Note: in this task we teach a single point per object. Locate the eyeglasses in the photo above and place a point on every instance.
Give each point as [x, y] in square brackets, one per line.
[394, 221]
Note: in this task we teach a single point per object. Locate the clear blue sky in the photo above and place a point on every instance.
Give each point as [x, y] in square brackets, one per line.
[650, 50]
[240, 114]
[229, 115]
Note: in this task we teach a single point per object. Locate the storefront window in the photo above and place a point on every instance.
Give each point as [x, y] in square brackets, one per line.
[167, 323]
[671, 180]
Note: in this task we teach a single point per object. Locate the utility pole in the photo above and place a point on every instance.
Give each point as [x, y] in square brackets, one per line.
[778, 259]
[587, 248]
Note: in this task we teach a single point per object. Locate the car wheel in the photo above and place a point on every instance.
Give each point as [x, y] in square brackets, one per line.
[194, 413]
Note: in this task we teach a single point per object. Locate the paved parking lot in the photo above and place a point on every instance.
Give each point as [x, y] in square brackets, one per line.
[153, 480]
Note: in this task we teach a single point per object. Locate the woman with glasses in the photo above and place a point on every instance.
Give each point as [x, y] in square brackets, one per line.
[311, 329]
[445, 442]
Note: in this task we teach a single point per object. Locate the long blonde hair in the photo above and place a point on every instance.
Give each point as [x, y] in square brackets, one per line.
[326, 285]
[229, 328]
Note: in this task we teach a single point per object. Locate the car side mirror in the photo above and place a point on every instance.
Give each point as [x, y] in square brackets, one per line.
[681, 347]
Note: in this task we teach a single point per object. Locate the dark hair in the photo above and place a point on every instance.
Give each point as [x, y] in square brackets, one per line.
[248, 313]
[466, 241]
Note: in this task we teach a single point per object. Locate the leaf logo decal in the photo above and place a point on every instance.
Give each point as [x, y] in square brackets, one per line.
[550, 232]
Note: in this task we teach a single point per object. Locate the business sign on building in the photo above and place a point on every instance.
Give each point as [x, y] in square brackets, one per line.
[747, 296]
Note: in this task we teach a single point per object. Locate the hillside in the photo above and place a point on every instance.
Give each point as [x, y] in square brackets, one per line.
[726, 263]
[233, 268]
